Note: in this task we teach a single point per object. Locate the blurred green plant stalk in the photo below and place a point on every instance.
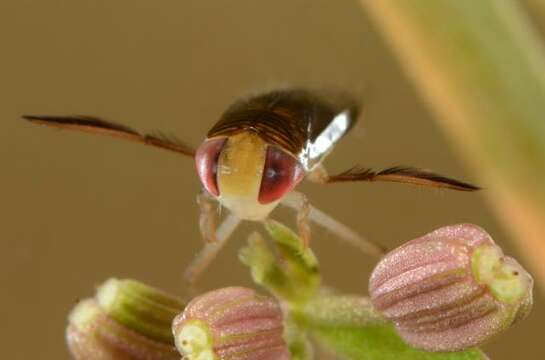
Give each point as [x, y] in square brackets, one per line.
[481, 68]
[538, 9]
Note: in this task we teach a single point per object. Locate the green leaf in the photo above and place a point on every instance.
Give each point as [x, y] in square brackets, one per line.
[298, 262]
[264, 267]
[298, 257]
[293, 275]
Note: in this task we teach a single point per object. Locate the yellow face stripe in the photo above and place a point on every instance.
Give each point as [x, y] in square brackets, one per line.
[240, 169]
[240, 166]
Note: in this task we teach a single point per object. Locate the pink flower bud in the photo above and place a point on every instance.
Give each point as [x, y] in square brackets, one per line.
[450, 289]
[231, 323]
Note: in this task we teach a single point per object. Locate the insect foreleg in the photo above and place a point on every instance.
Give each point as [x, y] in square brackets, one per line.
[210, 250]
[208, 216]
[297, 201]
[303, 221]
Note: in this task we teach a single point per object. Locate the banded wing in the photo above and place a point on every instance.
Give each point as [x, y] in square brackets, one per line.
[100, 126]
[402, 174]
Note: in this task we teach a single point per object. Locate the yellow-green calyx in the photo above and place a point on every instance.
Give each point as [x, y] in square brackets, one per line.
[502, 275]
[140, 307]
[91, 334]
[194, 341]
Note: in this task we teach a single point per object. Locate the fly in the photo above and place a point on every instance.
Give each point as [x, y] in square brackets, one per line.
[257, 153]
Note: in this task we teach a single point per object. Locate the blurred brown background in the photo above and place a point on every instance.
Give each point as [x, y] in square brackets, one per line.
[76, 209]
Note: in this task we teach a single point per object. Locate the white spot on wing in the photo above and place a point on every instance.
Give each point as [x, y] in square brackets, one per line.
[325, 141]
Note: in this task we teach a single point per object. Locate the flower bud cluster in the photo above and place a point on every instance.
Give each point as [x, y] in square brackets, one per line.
[449, 290]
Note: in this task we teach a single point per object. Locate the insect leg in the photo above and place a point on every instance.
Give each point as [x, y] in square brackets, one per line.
[208, 216]
[303, 221]
[297, 200]
[211, 249]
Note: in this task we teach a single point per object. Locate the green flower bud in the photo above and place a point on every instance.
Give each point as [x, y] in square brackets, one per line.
[141, 308]
[91, 334]
[126, 320]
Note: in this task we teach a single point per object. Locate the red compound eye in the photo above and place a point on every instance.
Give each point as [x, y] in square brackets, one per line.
[206, 160]
[280, 175]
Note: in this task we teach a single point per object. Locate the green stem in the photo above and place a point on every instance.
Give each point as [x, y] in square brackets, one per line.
[341, 310]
